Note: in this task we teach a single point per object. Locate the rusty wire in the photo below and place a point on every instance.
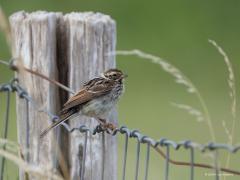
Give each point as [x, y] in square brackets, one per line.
[14, 86]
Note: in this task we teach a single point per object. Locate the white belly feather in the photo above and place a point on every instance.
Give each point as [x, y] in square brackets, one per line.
[100, 107]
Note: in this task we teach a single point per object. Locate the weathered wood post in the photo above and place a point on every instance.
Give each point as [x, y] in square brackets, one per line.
[34, 44]
[70, 48]
[91, 40]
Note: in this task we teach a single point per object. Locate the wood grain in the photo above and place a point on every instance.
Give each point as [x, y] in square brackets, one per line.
[71, 48]
[91, 39]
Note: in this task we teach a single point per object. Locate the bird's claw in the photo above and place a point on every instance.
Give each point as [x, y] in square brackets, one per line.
[106, 127]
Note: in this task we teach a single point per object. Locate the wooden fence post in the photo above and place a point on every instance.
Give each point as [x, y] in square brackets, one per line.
[34, 44]
[91, 39]
[72, 48]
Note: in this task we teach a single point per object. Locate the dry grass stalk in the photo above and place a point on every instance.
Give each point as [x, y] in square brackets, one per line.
[9, 145]
[29, 168]
[231, 77]
[179, 76]
[228, 133]
[191, 110]
[4, 27]
[232, 94]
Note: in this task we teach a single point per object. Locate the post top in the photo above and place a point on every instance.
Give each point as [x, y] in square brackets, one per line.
[73, 16]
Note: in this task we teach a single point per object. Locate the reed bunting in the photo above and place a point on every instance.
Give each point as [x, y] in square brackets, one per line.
[97, 97]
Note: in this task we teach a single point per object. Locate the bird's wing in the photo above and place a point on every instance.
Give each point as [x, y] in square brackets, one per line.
[94, 88]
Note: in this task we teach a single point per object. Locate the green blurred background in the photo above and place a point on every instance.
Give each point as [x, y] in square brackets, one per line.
[174, 30]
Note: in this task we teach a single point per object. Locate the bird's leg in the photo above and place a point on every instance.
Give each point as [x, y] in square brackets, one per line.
[106, 126]
[110, 126]
[102, 121]
[101, 126]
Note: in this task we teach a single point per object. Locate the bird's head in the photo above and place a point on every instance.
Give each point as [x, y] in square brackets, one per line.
[114, 74]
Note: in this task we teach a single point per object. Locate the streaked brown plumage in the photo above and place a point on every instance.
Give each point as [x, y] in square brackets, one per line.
[95, 99]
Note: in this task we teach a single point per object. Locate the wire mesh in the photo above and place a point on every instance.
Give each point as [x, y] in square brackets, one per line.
[158, 145]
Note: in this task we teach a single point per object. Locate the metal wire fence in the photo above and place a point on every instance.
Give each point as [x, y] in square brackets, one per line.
[162, 146]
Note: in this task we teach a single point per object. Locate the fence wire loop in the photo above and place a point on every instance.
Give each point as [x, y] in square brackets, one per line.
[125, 130]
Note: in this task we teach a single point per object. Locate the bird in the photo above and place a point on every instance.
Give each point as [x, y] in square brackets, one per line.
[95, 99]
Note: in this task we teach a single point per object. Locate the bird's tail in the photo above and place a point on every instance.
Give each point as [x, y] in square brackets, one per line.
[57, 123]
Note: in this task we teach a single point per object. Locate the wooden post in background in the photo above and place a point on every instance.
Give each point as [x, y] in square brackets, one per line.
[72, 48]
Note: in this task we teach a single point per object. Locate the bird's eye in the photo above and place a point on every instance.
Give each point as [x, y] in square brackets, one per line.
[114, 75]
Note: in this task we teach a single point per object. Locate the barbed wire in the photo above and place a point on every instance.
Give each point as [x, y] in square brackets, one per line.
[14, 86]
